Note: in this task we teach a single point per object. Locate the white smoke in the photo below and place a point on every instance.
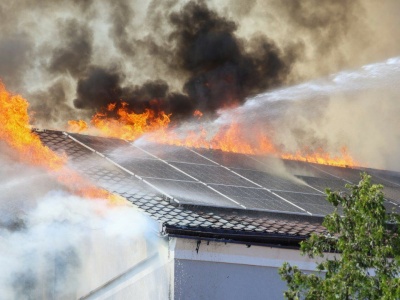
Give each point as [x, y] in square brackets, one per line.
[357, 109]
[54, 245]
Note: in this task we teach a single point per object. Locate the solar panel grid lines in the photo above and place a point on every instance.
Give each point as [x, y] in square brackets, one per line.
[258, 198]
[258, 185]
[385, 181]
[194, 178]
[275, 182]
[237, 174]
[218, 177]
[213, 174]
[392, 206]
[82, 144]
[327, 173]
[165, 162]
[292, 203]
[324, 183]
[122, 168]
[153, 168]
[301, 168]
[142, 177]
[269, 190]
[100, 144]
[210, 160]
[253, 158]
[315, 203]
[255, 183]
[191, 192]
[172, 153]
[218, 192]
[347, 174]
[161, 191]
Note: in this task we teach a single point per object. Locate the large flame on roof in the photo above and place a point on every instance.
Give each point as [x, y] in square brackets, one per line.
[17, 134]
[230, 138]
[125, 125]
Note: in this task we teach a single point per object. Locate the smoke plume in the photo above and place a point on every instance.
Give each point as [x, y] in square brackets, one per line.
[355, 109]
[221, 70]
[58, 246]
[72, 58]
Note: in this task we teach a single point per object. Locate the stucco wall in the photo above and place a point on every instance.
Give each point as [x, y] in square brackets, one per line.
[217, 270]
[211, 280]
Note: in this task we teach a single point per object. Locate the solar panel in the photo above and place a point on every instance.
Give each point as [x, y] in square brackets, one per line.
[189, 192]
[213, 174]
[256, 198]
[274, 182]
[185, 188]
[392, 193]
[175, 154]
[352, 175]
[127, 152]
[61, 144]
[391, 207]
[153, 169]
[229, 159]
[314, 203]
[389, 179]
[323, 183]
[102, 145]
[304, 169]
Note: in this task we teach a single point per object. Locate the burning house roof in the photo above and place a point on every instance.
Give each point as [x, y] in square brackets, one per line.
[211, 193]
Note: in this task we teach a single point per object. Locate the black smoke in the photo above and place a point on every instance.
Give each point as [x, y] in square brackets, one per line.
[179, 56]
[102, 87]
[74, 53]
[220, 69]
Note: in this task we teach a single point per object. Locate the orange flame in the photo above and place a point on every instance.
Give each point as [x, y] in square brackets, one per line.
[126, 125]
[197, 114]
[16, 133]
[230, 138]
[77, 126]
[323, 158]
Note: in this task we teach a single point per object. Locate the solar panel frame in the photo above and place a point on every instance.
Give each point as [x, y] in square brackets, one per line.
[130, 157]
[270, 181]
[228, 159]
[322, 184]
[151, 168]
[190, 192]
[392, 193]
[387, 180]
[300, 168]
[256, 198]
[213, 174]
[172, 153]
[348, 174]
[100, 144]
[313, 203]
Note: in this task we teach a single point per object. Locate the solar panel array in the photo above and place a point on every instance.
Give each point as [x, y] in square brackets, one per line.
[222, 179]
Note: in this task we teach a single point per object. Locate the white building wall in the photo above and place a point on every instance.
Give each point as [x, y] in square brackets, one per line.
[185, 269]
[215, 270]
[142, 270]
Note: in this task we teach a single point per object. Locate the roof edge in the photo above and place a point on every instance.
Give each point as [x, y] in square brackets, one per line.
[234, 236]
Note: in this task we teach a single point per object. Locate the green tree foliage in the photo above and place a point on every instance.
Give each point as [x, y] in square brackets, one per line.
[364, 246]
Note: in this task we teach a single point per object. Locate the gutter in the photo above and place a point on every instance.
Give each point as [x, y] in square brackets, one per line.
[233, 236]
